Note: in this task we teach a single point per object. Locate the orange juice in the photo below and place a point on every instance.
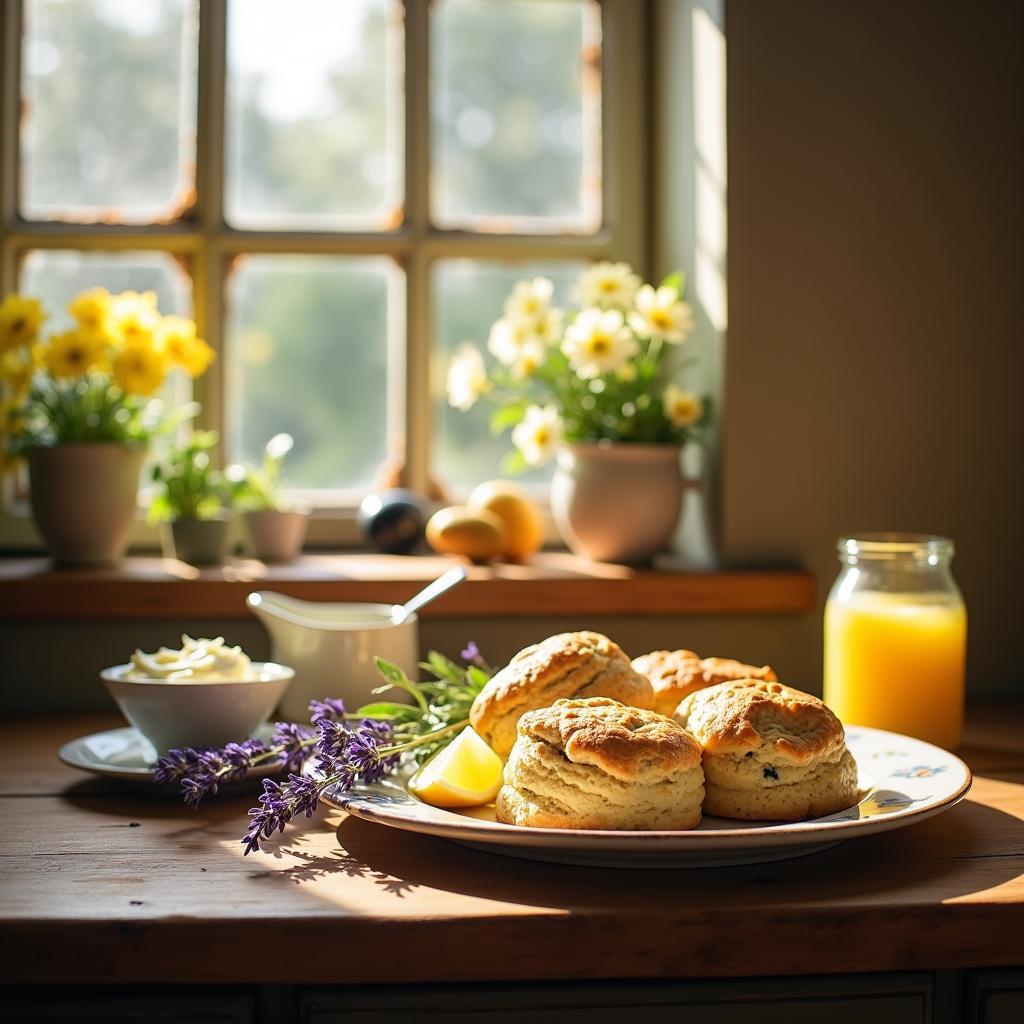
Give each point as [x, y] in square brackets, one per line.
[896, 661]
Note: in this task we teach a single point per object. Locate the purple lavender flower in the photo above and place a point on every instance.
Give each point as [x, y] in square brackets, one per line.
[334, 738]
[471, 654]
[291, 738]
[330, 709]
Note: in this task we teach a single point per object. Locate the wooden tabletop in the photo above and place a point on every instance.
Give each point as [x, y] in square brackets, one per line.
[102, 884]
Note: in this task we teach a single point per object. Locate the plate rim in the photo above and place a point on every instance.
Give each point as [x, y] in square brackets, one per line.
[463, 828]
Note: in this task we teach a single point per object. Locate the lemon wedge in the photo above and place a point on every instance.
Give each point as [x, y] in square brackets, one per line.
[466, 773]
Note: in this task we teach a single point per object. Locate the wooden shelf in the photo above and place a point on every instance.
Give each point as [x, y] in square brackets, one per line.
[552, 584]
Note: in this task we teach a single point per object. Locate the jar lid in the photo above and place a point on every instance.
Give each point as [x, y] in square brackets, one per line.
[890, 546]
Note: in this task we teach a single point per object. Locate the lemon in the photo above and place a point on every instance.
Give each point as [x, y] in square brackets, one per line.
[466, 773]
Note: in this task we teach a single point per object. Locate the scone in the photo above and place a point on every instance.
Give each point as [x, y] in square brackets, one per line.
[676, 674]
[597, 764]
[567, 665]
[770, 753]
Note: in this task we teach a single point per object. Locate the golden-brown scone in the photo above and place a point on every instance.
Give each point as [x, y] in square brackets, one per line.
[567, 665]
[771, 753]
[598, 764]
[676, 674]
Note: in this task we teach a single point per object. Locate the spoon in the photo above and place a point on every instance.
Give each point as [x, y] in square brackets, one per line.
[453, 577]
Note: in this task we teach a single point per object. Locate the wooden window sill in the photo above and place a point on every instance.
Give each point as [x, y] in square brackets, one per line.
[553, 584]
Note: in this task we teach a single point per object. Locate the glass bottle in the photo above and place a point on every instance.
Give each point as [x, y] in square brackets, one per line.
[896, 637]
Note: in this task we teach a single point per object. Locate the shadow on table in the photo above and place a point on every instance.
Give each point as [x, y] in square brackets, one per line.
[969, 849]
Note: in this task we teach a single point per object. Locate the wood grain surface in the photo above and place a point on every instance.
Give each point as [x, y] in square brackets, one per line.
[107, 884]
[552, 583]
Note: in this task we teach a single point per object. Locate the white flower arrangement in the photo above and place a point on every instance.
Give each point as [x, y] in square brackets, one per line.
[598, 373]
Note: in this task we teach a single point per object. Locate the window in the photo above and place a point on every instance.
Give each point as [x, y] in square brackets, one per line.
[339, 193]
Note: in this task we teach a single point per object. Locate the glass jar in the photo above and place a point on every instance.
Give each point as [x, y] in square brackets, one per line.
[896, 637]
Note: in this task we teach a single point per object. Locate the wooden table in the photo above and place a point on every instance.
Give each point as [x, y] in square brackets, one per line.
[103, 885]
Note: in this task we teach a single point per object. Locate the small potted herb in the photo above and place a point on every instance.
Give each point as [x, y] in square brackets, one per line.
[194, 501]
[275, 526]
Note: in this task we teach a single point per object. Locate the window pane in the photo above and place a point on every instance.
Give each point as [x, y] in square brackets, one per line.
[55, 276]
[314, 114]
[516, 115]
[468, 298]
[108, 131]
[307, 341]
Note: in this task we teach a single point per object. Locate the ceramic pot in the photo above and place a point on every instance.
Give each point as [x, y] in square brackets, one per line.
[617, 502]
[196, 541]
[276, 536]
[84, 499]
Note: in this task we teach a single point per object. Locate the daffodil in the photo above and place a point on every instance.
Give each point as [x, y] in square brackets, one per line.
[177, 337]
[529, 299]
[17, 367]
[467, 377]
[92, 310]
[598, 342]
[538, 434]
[134, 316]
[73, 353]
[660, 313]
[682, 408]
[20, 320]
[139, 368]
[607, 286]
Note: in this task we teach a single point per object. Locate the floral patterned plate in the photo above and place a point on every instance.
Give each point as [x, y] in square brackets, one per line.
[902, 780]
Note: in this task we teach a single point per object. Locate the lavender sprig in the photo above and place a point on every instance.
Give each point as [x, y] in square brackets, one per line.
[338, 748]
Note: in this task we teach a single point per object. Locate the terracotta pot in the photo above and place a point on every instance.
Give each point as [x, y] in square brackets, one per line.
[196, 541]
[276, 536]
[617, 502]
[84, 499]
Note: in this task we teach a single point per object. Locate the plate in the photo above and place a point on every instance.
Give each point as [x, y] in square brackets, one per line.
[124, 754]
[902, 780]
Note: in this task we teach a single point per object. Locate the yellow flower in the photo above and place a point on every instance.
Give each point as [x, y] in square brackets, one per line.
[682, 408]
[177, 336]
[135, 317]
[140, 368]
[73, 353]
[20, 320]
[16, 369]
[92, 310]
[539, 434]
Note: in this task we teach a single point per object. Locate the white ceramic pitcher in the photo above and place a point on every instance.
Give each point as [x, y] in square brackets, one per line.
[332, 647]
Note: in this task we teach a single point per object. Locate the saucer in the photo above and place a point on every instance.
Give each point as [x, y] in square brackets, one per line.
[125, 754]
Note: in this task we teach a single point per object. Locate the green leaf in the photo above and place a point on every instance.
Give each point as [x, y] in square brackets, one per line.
[507, 416]
[396, 677]
[514, 463]
[677, 280]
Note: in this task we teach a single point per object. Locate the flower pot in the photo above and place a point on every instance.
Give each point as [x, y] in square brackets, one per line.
[274, 535]
[84, 499]
[617, 502]
[196, 541]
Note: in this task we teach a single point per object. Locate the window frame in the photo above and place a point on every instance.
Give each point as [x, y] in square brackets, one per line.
[207, 243]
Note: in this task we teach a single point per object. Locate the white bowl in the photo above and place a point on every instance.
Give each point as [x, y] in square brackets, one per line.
[197, 714]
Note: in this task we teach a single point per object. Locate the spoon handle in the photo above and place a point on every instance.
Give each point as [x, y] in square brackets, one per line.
[435, 589]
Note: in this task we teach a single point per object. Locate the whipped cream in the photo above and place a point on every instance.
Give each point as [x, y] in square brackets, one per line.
[196, 661]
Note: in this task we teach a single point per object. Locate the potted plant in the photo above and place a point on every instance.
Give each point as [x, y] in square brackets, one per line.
[596, 389]
[77, 405]
[193, 502]
[275, 526]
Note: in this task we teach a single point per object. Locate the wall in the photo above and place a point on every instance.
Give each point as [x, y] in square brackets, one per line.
[873, 355]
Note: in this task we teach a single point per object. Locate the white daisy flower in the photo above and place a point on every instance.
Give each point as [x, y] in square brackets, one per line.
[607, 286]
[682, 408]
[538, 434]
[598, 342]
[529, 299]
[661, 314]
[508, 338]
[467, 377]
